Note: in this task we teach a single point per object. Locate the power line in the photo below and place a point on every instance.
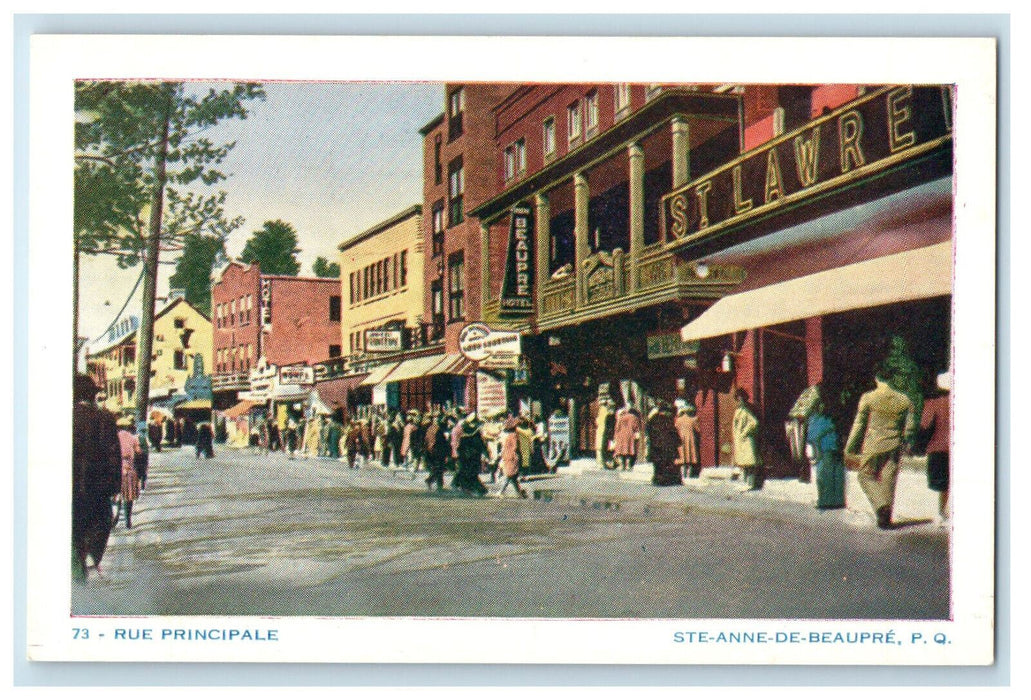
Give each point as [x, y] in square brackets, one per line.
[124, 306]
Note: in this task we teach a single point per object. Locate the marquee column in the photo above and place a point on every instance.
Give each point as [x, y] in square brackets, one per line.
[636, 154]
[681, 152]
[582, 248]
[543, 247]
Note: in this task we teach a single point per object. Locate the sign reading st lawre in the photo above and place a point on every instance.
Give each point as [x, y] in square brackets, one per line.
[867, 138]
[517, 287]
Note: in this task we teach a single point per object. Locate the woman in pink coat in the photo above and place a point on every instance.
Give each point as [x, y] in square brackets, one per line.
[130, 447]
[510, 457]
[625, 437]
[690, 456]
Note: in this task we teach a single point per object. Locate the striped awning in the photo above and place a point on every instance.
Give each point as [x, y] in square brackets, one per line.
[379, 373]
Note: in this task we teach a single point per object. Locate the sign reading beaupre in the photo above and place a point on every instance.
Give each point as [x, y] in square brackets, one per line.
[517, 287]
[864, 137]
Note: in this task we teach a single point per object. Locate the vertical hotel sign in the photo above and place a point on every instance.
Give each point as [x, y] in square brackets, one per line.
[517, 287]
[266, 303]
[873, 136]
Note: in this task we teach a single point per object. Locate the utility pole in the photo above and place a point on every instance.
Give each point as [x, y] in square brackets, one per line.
[145, 335]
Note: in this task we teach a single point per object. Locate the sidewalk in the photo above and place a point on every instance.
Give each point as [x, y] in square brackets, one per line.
[583, 482]
[913, 500]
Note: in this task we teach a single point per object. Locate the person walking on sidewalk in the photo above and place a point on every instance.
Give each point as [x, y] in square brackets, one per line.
[690, 453]
[823, 448]
[130, 449]
[884, 426]
[471, 453]
[934, 424]
[626, 436]
[746, 447]
[663, 444]
[96, 475]
[437, 451]
[510, 458]
[604, 427]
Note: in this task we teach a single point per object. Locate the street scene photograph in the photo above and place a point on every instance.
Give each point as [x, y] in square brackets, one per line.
[558, 350]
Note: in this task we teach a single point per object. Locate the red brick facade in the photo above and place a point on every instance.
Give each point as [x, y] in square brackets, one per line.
[286, 320]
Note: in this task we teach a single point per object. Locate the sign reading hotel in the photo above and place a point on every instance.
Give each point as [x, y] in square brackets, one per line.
[866, 137]
[478, 341]
[266, 303]
[382, 341]
[517, 286]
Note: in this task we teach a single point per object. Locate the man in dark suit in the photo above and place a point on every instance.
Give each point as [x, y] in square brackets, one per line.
[96, 475]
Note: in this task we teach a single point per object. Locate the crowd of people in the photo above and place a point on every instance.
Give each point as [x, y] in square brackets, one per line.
[110, 458]
[438, 441]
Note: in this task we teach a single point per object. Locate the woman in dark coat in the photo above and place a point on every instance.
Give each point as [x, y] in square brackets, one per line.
[437, 451]
[663, 445]
[205, 440]
[96, 475]
[471, 451]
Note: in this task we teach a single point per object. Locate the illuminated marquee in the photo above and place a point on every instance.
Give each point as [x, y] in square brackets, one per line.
[867, 136]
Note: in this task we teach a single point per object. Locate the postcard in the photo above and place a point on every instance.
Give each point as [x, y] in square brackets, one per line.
[512, 350]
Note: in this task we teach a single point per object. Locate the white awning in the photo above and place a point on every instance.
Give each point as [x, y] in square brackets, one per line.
[379, 373]
[915, 274]
[416, 367]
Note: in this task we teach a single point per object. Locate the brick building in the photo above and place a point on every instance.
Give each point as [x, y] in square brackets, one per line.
[649, 203]
[458, 167]
[269, 322]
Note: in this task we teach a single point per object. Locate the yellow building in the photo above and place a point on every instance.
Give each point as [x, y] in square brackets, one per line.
[181, 333]
[381, 274]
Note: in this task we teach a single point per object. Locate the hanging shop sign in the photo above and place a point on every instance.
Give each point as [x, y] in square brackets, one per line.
[266, 303]
[491, 394]
[670, 345]
[478, 341]
[517, 286]
[383, 341]
[872, 135]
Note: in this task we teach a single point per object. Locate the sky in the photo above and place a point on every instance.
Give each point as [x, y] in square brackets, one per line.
[332, 159]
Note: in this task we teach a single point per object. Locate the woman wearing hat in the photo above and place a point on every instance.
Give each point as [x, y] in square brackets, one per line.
[690, 453]
[130, 448]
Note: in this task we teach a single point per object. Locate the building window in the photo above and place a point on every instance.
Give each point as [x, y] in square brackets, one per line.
[334, 308]
[456, 108]
[437, 306]
[456, 286]
[515, 159]
[573, 122]
[180, 323]
[438, 166]
[404, 268]
[622, 100]
[129, 355]
[179, 360]
[653, 90]
[250, 304]
[437, 227]
[456, 190]
[591, 112]
[334, 351]
[549, 137]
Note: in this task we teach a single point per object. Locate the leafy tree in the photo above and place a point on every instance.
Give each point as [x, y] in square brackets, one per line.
[143, 173]
[324, 268]
[274, 248]
[201, 254]
[905, 374]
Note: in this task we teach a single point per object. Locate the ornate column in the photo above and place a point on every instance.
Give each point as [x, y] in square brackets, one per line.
[636, 155]
[681, 152]
[582, 247]
[484, 266]
[542, 248]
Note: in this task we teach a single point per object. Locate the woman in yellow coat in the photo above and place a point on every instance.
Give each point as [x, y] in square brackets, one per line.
[746, 442]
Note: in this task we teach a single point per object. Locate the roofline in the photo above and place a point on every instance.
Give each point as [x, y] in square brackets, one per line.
[299, 278]
[134, 335]
[432, 124]
[408, 213]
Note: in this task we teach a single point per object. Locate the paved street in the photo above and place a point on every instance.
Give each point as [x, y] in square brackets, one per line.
[264, 535]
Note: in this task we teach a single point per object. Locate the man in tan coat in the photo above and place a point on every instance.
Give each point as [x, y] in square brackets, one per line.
[885, 424]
